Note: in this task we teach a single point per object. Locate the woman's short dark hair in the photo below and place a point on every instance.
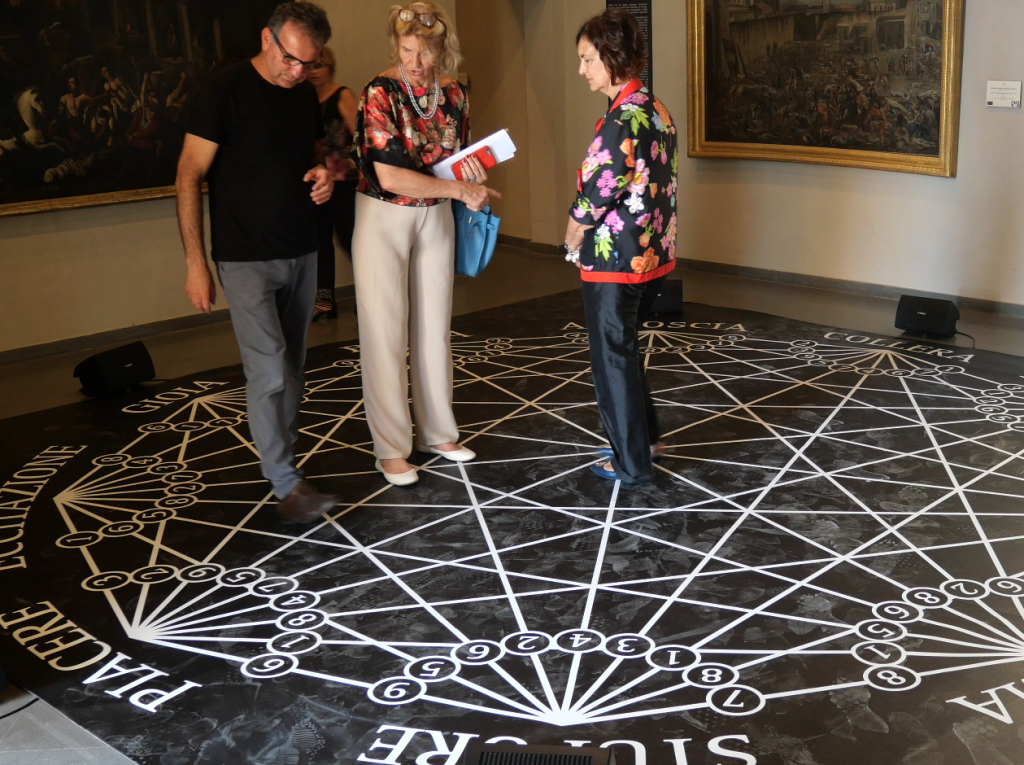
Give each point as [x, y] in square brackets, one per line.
[312, 18]
[619, 42]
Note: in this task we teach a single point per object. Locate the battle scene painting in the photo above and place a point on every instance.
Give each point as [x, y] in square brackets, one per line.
[816, 77]
[95, 95]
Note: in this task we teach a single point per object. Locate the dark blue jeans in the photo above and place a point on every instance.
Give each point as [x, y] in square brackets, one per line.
[614, 312]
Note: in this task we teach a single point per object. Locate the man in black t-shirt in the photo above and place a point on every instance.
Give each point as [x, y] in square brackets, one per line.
[253, 137]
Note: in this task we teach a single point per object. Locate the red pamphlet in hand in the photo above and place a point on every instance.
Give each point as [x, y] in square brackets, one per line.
[486, 157]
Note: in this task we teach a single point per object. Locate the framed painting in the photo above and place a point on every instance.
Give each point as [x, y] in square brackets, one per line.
[95, 95]
[858, 83]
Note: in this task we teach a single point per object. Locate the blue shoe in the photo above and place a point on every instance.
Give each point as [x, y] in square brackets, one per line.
[611, 475]
[608, 473]
[608, 453]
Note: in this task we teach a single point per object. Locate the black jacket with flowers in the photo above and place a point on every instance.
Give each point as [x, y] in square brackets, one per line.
[627, 191]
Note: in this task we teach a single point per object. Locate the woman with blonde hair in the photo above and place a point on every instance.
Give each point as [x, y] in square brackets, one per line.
[411, 116]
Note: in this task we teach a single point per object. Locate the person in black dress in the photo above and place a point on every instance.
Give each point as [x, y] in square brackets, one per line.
[339, 108]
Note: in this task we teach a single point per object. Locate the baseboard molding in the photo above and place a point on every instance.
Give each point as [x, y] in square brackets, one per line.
[851, 287]
[514, 241]
[128, 334]
[529, 244]
[143, 331]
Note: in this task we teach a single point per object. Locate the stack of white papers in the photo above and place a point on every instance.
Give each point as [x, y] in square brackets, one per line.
[501, 146]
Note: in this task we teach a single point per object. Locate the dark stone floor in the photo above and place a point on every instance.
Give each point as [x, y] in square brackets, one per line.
[826, 570]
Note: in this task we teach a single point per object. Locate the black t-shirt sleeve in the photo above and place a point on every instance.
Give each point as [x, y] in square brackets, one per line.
[209, 117]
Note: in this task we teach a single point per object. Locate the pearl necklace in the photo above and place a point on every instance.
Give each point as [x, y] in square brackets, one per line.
[415, 101]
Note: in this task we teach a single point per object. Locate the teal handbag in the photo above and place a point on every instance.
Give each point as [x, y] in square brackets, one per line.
[476, 234]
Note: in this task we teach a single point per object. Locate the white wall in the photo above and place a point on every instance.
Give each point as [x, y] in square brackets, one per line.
[493, 36]
[78, 272]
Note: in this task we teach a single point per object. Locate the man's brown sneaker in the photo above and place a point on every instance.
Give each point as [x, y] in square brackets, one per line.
[305, 504]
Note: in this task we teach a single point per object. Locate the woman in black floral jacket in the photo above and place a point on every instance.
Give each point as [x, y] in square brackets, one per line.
[622, 234]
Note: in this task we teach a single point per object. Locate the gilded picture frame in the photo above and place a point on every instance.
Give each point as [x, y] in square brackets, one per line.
[873, 84]
[96, 95]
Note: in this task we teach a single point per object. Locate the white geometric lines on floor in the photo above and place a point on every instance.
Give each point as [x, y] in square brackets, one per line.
[848, 515]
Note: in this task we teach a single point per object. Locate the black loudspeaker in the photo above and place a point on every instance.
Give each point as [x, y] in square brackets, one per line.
[115, 371]
[929, 316]
[513, 754]
[670, 299]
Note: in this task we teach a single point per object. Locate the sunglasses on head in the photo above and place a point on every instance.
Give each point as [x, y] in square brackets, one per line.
[426, 19]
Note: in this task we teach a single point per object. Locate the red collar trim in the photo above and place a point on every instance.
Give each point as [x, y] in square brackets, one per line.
[628, 89]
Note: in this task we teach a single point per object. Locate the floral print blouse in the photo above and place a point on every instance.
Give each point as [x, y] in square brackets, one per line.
[627, 191]
[389, 131]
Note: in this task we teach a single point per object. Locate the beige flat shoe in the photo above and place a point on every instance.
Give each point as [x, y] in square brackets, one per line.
[408, 478]
[459, 455]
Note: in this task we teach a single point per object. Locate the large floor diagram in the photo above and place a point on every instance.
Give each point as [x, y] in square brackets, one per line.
[829, 567]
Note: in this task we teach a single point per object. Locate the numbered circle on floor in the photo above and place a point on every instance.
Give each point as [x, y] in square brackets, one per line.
[964, 589]
[240, 577]
[1007, 586]
[478, 652]
[190, 426]
[109, 460]
[927, 597]
[269, 665]
[879, 653]
[156, 515]
[201, 572]
[628, 646]
[895, 611]
[578, 641]
[109, 580]
[79, 539]
[736, 700]
[711, 675]
[892, 678]
[274, 586]
[154, 574]
[294, 642]
[185, 476]
[302, 620]
[396, 690]
[300, 600]
[432, 669]
[167, 468]
[673, 658]
[180, 489]
[527, 643]
[155, 427]
[881, 630]
[172, 502]
[121, 529]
